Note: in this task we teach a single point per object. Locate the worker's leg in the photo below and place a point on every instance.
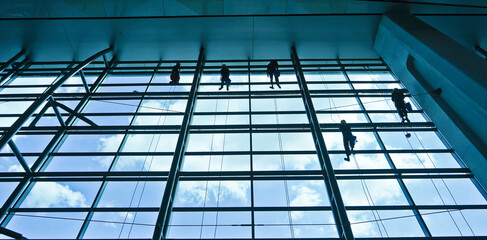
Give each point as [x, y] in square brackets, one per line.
[347, 148]
[272, 84]
[221, 84]
[277, 79]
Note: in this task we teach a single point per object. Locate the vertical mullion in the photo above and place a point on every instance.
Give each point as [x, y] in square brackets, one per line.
[252, 205]
[338, 208]
[161, 228]
[408, 196]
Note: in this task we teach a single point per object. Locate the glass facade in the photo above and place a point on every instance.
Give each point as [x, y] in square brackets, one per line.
[136, 155]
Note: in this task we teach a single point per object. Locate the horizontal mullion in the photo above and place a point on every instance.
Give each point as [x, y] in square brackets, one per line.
[316, 177]
[328, 208]
[91, 174]
[286, 173]
[54, 130]
[392, 151]
[215, 68]
[54, 73]
[98, 209]
[258, 209]
[133, 84]
[184, 95]
[216, 113]
[99, 179]
[230, 128]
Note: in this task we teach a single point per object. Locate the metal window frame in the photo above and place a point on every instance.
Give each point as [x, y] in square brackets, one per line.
[103, 69]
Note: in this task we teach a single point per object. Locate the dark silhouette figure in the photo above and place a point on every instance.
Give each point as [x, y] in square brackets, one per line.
[398, 99]
[175, 74]
[273, 71]
[225, 77]
[348, 139]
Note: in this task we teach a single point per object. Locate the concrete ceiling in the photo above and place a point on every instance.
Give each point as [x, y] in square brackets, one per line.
[229, 29]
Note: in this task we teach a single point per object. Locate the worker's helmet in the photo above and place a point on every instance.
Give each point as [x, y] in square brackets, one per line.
[343, 122]
[224, 65]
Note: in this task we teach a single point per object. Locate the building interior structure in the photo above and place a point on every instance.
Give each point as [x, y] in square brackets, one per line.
[97, 144]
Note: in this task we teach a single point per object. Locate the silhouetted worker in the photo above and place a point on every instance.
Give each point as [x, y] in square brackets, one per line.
[273, 71]
[348, 139]
[225, 77]
[398, 99]
[175, 74]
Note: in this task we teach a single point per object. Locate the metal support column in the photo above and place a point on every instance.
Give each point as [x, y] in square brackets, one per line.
[33, 107]
[160, 230]
[337, 205]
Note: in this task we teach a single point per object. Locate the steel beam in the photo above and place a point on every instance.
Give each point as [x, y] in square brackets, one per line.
[17, 196]
[78, 115]
[12, 234]
[85, 83]
[481, 51]
[19, 156]
[28, 113]
[339, 212]
[56, 111]
[160, 230]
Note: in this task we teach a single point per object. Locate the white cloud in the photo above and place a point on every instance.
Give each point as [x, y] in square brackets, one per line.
[305, 196]
[52, 194]
[224, 193]
[15, 168]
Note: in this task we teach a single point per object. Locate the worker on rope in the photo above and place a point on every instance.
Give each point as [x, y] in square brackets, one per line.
[273, 71]
[225, 77]
[348, 139]
[175, 74]
[398, 99]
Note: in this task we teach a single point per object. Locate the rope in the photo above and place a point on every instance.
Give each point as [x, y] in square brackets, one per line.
[221, 169]
[283, 166]
[434, 185]
[447, 188]
[166, 104]
[419, 159]
[209, 164]
[371, 201]
[133, 105]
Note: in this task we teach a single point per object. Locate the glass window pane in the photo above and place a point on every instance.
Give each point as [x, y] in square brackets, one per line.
[290, 193]
[121, 225]
[47, 225]
[213, 194]
[61, 195]
[132, 194]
